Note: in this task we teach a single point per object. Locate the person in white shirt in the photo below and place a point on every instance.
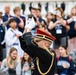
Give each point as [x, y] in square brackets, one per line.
[12, 38]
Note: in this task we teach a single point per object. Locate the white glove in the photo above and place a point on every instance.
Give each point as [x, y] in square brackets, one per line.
[30, 24]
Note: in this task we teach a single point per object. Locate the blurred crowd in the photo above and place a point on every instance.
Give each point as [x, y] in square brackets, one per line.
[12, 27]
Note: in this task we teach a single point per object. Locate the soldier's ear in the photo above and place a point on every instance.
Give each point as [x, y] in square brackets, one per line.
[46, 43]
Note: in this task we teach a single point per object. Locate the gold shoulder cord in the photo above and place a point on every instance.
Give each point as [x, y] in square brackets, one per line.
[37, 62]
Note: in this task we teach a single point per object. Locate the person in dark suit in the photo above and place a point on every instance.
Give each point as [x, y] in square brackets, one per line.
[7, 16]
[39, 49]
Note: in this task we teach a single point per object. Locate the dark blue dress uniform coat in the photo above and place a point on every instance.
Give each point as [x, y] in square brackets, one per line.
[45, 63]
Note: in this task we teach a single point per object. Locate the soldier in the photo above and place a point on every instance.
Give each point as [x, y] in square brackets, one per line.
[38, 48]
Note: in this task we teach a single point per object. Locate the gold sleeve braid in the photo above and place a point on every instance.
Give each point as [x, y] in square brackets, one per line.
[37, 62]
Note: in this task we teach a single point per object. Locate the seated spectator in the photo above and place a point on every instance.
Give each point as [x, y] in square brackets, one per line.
[42, 27]
[35, 20]
[71, 21]
[26, 65]
[65, 65]
[50, 17]
[58, 28]
[20, 19]
[39, 17]
[12, 38]
[7, 16]
[12, 64]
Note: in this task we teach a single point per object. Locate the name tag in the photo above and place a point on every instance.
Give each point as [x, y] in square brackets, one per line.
[58, 31]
